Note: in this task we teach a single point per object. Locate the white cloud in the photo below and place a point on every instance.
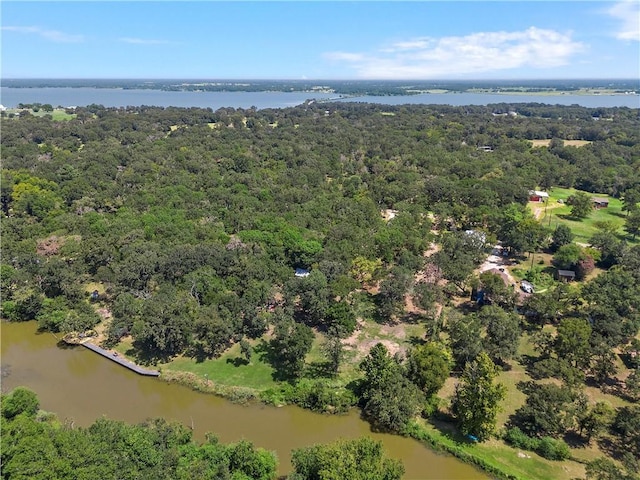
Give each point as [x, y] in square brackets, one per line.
[628, 13]
[142, 41]
[52, 35]
[481, 52]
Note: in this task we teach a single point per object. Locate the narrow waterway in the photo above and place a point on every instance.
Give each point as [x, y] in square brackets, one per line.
[81, 386]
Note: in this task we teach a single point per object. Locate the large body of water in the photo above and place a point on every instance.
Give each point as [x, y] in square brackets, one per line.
[81, 386]
[115, 97]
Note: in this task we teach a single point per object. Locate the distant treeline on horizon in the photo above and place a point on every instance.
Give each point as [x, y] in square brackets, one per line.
[345, 87]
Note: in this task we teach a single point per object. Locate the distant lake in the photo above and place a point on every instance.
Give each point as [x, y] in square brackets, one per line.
[116, 97]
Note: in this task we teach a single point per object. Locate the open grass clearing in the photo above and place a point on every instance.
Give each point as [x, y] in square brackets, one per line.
[58, 114]
[567, 143]
[558, 212]
[230, 369]
[520, 464]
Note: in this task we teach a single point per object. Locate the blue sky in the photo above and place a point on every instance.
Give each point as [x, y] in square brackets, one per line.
[321, 40]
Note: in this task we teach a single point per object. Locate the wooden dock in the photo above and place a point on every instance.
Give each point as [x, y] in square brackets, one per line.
[121, 360]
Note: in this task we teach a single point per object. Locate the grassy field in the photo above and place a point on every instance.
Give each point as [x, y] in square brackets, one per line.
[495, 454]
[567, 143]
[58, 114]
[559, 213]
[230, 369]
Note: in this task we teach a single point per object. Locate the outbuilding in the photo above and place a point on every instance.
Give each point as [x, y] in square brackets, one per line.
[538, 196]
[566, 275]
[599, 202]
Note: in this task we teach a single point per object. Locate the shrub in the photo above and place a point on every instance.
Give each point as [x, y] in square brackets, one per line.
[519, 439]
[553, 449]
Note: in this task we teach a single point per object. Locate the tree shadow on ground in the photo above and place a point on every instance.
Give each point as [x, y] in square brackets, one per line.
[414, 340]
[320, 369]
[569, 217]
[445, 424]
[529, 362]
[143, 357]
[237, 361]
[609, 447]
[413, 318]
[575, 440]
[269, 354]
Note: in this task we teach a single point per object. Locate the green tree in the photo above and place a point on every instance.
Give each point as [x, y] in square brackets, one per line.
[361, 459]
[429, 366]
[627, 425]
[290, 344]
[605, 469]
[632, 223]
[596, 420]
[390, 299]
[496, 291]
[20, 400]
[603, 361]
[562, 235]
[340, 319]
[427, 296]
[333, 350]
[246, 349]
[548, 410]
[465, 336]
[572, 342]
[581, 205]
[389, 399]
[630, 200]
[613, 305]
[477, 398]
[502, 332]
[567, 256]
[633, 384]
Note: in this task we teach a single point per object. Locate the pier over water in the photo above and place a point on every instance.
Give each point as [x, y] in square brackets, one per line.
[121, 360]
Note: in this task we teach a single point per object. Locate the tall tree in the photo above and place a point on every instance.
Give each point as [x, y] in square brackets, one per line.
[389, 399]
[581, 205]
[290, 344]
[429, 366]
[572, 342]
[503, 332]
[465, 336]
[477, 398]
[562, 235]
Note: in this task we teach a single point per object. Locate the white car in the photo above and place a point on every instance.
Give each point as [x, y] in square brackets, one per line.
[526, 286]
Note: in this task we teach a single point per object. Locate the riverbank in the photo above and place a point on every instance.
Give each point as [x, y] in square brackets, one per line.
[493, 457]
[82, 387]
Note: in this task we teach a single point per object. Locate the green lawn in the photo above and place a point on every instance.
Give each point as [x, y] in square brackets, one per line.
[57, 115]
[558, 213]
[229, 369]
[500, 456]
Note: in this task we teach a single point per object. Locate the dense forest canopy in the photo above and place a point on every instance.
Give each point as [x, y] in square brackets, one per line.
[196, 219]
[204, 229]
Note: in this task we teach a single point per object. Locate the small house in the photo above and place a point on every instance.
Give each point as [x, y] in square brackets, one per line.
[538, 196]
[599, 202]
[566, 275]
[302, 272]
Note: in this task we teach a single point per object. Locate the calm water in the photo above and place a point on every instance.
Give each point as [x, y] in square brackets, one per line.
[81, 386]
[114, 97]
